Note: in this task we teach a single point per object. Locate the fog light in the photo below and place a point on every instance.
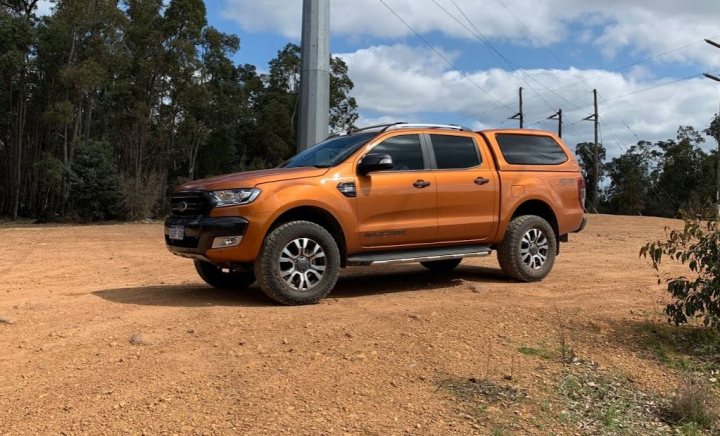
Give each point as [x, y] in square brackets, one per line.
[226, 241]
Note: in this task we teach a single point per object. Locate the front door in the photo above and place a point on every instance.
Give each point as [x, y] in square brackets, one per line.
[398, 207]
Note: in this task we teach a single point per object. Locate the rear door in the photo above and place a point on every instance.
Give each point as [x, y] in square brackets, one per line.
[467, 185]
[398, 207]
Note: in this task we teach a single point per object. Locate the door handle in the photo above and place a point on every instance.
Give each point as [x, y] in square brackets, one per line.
[421, 184]
[481, 181]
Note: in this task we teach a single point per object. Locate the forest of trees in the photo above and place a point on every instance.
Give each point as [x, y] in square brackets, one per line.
[667, 178]
[107, 105]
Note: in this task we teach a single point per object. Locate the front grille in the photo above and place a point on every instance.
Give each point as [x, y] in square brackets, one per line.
[190, 203]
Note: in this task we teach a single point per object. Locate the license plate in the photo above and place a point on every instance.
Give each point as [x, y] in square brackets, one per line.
[177, 232]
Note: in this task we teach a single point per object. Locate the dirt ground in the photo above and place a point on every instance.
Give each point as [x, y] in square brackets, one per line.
[103, 331]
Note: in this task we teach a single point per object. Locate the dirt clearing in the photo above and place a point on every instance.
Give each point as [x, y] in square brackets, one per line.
[104, 332]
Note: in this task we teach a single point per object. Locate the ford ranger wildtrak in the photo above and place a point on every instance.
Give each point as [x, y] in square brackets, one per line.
[394, 193]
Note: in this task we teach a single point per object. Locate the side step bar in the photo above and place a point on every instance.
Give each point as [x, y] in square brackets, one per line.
[422, 255]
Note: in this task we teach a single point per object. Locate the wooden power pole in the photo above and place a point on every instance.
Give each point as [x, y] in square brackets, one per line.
[596, 153]
[519, 116]
[557, 116]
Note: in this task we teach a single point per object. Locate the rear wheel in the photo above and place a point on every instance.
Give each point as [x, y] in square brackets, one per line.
[299, 263]
[224, 278]
[441, 265]
[528, 251]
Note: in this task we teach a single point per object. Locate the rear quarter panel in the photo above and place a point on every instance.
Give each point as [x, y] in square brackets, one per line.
[555, 185]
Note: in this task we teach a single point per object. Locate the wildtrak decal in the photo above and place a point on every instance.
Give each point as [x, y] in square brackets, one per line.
[384, 233]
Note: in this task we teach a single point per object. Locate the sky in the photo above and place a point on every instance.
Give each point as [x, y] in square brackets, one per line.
[462, 61]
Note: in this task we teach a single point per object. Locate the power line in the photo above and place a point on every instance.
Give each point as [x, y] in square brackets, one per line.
[442, 56]
[482, 38]
[638, 91]
[527, 29]
[614, 69]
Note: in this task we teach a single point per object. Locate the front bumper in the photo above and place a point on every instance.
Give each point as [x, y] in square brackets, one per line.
[200, 233]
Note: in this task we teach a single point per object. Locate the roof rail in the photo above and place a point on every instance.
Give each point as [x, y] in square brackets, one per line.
[402, 125]
[376, 126]
[428, 126]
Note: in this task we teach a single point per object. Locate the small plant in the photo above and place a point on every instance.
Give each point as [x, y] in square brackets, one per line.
[696, 295]
[566, 352]
[530, 351]
[692, 405]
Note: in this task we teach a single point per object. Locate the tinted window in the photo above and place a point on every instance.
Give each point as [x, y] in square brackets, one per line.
[454, 151]
[530, 150]
[405, 151]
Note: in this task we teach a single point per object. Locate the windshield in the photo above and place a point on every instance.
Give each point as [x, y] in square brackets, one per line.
[329, 152]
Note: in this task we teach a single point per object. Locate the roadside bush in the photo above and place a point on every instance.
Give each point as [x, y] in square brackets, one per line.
[94, 182]
[692, 404]
[696, 295]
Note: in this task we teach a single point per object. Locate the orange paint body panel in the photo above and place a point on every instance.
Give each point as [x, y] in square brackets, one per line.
[402, 209]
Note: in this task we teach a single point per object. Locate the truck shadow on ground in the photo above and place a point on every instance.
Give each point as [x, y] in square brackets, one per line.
[353, 283]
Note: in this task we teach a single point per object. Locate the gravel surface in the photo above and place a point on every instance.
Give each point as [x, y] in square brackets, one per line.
[104, 332]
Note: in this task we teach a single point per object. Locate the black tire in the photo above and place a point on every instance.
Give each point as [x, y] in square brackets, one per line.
[441, 265]
[285, 289]
[515, 254]
[217, 278]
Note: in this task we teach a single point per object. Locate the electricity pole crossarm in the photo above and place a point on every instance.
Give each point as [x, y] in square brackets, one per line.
[313, 126]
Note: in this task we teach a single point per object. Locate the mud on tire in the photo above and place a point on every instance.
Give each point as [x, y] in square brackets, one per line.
[299, 263]
[528, 251]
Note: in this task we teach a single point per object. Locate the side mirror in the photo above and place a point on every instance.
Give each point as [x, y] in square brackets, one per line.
[374, 162]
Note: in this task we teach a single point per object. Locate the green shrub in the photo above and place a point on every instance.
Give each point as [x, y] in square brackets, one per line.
[698, 293]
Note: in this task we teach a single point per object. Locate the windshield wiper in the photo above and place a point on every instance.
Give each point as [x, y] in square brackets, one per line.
[322, 166]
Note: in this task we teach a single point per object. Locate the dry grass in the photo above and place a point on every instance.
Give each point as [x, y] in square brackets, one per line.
[693, 403]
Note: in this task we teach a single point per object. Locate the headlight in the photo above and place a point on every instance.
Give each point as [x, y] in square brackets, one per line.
[235, 197]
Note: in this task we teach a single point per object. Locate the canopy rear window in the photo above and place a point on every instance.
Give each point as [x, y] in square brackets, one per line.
[521, 149]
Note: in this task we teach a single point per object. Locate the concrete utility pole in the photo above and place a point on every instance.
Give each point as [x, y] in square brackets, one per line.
[557, 116]
[314, 125]
[519, 116]
[596, 153]
[717, 156]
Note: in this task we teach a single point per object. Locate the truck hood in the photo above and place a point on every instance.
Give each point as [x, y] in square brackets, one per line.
[250, 179]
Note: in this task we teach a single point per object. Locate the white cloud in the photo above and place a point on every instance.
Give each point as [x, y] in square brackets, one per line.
[645, 27]
[400, 82]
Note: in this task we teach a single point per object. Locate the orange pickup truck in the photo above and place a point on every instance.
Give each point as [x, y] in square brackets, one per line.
[393, 193]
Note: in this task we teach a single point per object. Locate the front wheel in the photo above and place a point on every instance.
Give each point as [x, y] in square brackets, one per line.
[216, 277]
[299, 263]
[528, 251]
